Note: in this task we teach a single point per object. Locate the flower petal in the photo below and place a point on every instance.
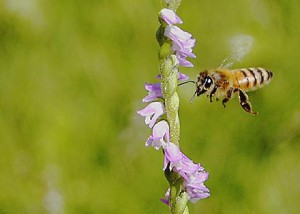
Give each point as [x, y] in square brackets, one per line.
[152, 112]
[192, 173]
[182, 76]
[172, 155]
[166, 200]
[183, 44]
[170, 17]
[160, 135]
[184, 62]
[154, 92]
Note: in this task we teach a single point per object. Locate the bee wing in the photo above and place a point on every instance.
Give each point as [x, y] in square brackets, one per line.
[227, 63]
[240, 46]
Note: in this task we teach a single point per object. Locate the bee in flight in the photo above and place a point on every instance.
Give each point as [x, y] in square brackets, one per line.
[224, 83]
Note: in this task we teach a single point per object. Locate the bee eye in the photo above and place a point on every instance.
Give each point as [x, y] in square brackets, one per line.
[208, 82]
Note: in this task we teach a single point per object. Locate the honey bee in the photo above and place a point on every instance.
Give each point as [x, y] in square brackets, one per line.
[224, 83]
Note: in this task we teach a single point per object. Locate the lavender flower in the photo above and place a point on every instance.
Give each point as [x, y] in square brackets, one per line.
[186, 166]
[154, 91]
[176, 159]
[166, 200]
[183, 62]
[182, 76]
[152, 112]
[170, 17]
[172, 155]
[182, 44]
[160, 135]
[193, 174]
[195, 187]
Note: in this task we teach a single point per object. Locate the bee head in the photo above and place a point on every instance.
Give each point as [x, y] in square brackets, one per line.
[204, 82]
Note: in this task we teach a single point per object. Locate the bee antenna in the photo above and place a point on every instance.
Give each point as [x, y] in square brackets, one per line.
[193, 97]
[186, 82]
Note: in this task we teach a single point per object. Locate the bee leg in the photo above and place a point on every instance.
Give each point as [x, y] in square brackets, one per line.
[245, 103]
[228, 96]
[200, 91]
[212, 93]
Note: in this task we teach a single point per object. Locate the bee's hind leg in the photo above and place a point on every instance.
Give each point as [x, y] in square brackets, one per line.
[228, 96]
[245, 103]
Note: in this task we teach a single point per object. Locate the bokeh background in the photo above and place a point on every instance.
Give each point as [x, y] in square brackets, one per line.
[72, 77]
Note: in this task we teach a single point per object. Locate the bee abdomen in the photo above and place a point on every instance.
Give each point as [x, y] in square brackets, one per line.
[252, 78]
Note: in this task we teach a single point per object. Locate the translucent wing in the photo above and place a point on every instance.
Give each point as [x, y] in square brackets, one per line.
[240, 46]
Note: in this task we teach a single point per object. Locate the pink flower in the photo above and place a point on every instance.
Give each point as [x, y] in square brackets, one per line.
[183, 61]
[160, 135]
[195, 186]
[183, 44]
[166, 200]
[186, 167]
[183, 165]
[172, 155]
[152, 112]
[154, 92]
[193, 174]
[170, 17]
[182, 76]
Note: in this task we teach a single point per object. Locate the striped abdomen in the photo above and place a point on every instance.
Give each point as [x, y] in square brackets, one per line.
[252, 78]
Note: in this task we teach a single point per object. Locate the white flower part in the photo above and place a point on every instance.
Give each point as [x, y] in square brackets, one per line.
[160, 135]
[180, 37]
[173, 155]
[170, 17]
[152, 112]
[183, 61]
[195, 186]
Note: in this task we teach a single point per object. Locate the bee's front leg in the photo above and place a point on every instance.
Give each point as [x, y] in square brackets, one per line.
[245, 103]
[228, 96]
[212, 93]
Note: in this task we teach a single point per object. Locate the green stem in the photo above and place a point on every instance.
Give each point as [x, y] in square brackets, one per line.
[174, 4]
[169, 78]
[169, 83]
[179, 199]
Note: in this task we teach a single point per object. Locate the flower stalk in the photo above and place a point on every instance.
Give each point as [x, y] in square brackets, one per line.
[178, 198]
[173, 4]
[169, 82]
[186, 178]
[169, 73]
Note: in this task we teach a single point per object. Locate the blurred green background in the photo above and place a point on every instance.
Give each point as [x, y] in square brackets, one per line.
[72, 78]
